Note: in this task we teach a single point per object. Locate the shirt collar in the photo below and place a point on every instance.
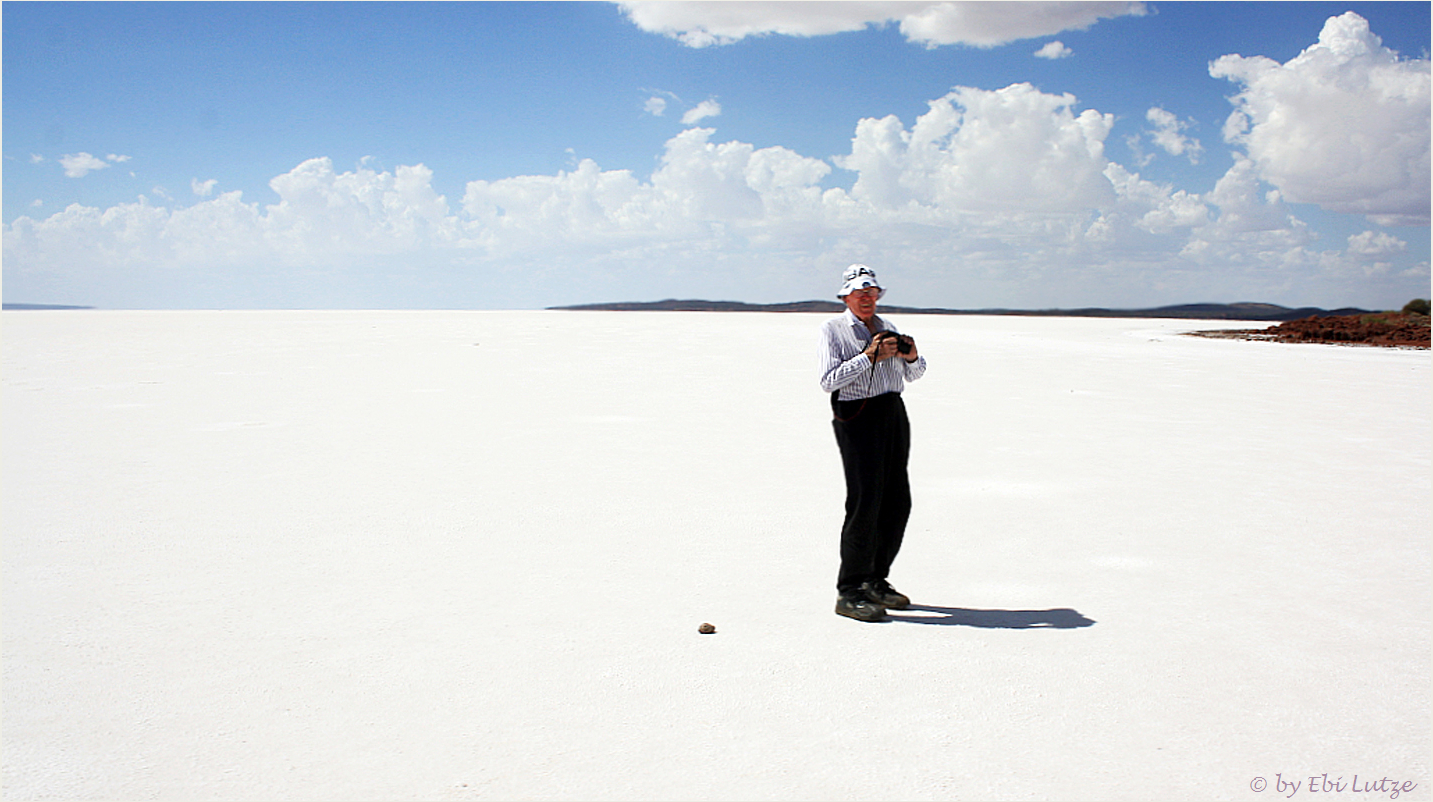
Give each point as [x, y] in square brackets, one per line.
[855, 321]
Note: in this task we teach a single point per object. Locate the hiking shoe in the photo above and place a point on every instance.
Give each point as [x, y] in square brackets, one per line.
[859, 608]
[881, 592]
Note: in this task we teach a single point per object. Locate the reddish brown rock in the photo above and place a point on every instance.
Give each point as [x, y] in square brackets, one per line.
[1381, 328]
[1389, 329]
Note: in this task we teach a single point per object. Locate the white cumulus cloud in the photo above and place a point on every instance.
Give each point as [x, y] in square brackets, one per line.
[1008, 189]
[977, 150]
[1149, 207]
[1054, 50]
[1345, 124]
[706, 108]
[325, 223]
[655, 106]
[1168, 135]
[1254, 230]
[79, 165]
[1003, 182]
[703, 23]
[324, 212]
[1373, 244]
[203, 188]
[700, 190]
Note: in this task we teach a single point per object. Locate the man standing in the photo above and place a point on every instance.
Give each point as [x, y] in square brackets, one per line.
[865, 364]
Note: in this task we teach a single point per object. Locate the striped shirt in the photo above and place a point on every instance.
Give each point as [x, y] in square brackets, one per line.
[845, 366]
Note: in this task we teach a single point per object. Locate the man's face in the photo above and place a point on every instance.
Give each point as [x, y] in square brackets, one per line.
[862, 303]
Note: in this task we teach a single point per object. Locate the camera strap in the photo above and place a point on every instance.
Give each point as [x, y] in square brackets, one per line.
[836, 408]
[835, 402]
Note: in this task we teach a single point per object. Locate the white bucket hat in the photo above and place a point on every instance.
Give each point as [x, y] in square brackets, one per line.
[859, 277]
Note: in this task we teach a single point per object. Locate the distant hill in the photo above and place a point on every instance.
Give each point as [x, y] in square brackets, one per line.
[23, 307]
[1239, 311]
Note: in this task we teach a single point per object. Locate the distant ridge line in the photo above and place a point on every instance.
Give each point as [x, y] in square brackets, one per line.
[33, 307]
[1237, 311]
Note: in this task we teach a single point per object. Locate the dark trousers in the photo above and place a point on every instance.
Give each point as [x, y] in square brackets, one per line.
[875, 440]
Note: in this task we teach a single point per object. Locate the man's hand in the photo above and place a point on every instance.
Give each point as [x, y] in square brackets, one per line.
[914, 353]
[884, 346]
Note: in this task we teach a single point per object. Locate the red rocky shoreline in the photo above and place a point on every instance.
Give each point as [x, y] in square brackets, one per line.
[1386, 329]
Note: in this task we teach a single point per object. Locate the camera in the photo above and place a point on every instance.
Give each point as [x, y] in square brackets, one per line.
[903, 343]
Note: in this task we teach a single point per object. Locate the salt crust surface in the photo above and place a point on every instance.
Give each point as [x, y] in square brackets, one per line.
[464, 555]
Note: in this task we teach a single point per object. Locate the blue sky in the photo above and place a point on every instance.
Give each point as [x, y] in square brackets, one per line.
[522, 155]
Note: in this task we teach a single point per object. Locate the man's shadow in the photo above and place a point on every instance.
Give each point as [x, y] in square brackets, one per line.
[992, 619]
